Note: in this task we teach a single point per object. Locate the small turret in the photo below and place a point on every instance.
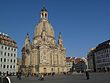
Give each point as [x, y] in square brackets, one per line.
[27, 44]
[27, 51]
[27, 40]
[60, 41]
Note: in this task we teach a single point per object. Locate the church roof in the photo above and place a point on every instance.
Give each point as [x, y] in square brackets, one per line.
[44, 25]
[103, 45]
[48, 28]
[44, 9]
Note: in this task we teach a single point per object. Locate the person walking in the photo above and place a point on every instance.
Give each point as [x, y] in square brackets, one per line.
[87, 75]
[19, 75]
[42, 77]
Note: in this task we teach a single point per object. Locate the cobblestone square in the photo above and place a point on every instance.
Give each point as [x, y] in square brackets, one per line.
[75, 78]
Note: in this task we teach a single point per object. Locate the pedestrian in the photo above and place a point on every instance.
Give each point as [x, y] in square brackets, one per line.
[41, 77]
[19, 75]
[87, 75]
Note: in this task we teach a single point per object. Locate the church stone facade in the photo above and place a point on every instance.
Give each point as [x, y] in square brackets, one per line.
[44, 54]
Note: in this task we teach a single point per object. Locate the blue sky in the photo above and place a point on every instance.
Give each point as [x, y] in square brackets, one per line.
[83, 23]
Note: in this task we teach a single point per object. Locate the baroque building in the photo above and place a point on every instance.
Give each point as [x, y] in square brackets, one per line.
[102, 56]
[44, 54]
[8, 55]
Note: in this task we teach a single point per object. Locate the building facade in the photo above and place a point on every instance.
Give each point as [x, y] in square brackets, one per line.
[80, 64]
[102, 56]
[91, 60]
[44, 54]
[76, 64]
[8, 55]
[70, 63]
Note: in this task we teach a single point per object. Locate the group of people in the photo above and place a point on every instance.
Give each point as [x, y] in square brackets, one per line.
[87, 76]
[6, 79]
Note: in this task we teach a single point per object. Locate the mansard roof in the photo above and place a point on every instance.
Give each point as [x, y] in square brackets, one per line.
[103, 45]
[6, 40]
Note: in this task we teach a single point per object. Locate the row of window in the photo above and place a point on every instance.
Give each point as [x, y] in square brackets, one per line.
[7, 60]
[8, 54]
[8, 66]
[102, 56]
[103, 60]
[104, 64]
[103, 51]
[8, 48]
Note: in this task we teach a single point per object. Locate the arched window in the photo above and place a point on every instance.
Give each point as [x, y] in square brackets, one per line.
[5, 48]
[11, 60]
[1, 59]
[8, 48]
[14, 66]
[11, 54]
[3, 66]
[2, 47]
[5, 54]
[10, 66]
[12, 49]
[42, 14]
[14, 61]
[14, 55]
[45, 15]
[8, 54]
[4, 59]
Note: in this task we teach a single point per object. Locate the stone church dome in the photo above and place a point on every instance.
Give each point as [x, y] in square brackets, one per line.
[44, 25]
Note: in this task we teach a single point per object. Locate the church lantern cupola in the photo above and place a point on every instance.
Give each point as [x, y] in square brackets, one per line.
[44, 14]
